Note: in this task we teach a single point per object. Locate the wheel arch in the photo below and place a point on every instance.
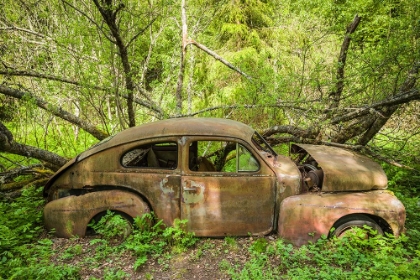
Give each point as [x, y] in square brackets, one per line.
[381, 222]
[133, 191]
[306, 217]
[70, 215]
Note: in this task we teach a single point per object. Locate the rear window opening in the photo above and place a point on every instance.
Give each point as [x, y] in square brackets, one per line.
[158, 155]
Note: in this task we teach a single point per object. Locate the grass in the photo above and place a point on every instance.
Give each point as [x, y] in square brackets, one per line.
[27, 251]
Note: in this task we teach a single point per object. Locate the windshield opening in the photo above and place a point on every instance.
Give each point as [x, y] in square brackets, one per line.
[261, 144]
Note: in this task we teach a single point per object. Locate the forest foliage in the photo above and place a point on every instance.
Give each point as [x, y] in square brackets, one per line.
[73, 72]
[333, 72]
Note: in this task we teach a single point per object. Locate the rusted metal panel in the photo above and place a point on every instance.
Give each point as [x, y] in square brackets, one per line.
[175, 127]
[288, 176]
[160, 187]
[154, 130]
[57, 175]
[69, 216]
[228, 206]
[217, 203]
[306, 217]
[345, 170]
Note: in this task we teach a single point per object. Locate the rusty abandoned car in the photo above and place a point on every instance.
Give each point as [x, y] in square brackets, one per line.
[226, 180]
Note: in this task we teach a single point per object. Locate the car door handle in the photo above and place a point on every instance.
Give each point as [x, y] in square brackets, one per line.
[190, 188]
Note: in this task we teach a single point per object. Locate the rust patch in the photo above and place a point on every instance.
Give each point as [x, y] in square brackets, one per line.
[193, 192]
[70, 215]
[317, 213]
[246, 201]
[343, 170]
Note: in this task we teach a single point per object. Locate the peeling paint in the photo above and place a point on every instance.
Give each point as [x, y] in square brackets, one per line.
[163, 186]
[295, 198]
[193, 192]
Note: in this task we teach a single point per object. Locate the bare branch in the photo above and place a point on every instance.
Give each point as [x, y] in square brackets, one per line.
[245, 106]
[45, 37]
[91, 20]
[411, 95]
[148, 104]
[153, 107]
[140, 32]
[21, 73]
[219, 58]
[335, 95]
[56, 111]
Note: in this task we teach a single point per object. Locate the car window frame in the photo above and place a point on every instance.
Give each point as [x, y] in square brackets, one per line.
[188, 140]
[142, 142]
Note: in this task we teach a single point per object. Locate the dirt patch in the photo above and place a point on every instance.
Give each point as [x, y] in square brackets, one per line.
[98, 258]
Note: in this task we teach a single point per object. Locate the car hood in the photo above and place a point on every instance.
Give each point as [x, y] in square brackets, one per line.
[345, 170]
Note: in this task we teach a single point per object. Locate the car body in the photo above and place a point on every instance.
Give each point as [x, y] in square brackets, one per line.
[225, 180]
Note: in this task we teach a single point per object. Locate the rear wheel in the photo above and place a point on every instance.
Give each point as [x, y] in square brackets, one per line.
[347, 224]
[112, 224]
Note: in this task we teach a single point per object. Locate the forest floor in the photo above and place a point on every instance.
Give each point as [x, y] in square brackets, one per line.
[202, 261]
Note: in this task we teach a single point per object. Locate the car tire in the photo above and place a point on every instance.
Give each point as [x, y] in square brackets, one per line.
[355, 221]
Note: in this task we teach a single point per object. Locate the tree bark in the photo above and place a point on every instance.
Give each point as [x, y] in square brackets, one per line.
[335, 95]
[184, 44]
[110, 17]
[387, 111]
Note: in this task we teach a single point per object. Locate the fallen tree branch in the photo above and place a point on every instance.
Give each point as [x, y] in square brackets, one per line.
[8, 145]
[411, 95]
[288, 129]
[9, 175]
[39, 176]
[37, 182]
[56, 111]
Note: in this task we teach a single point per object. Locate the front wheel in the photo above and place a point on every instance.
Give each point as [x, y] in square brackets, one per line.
[347, 224]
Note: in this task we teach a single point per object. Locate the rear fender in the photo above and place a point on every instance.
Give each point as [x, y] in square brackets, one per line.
[70, 215]
[307, 217]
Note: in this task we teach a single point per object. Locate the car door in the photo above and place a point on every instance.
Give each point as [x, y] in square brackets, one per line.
[226, 189]
[152, 169]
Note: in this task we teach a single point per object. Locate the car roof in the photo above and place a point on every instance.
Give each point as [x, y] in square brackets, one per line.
[174, 127]
[170, 127]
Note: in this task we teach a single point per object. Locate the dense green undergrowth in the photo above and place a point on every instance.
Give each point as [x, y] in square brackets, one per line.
[352, 257]
[27, 252]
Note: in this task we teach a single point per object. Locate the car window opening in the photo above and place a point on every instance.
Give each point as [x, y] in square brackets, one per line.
[158, 155]
[261, 144]
[221, 156]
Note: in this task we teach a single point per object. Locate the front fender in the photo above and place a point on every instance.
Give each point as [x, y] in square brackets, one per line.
[70, 215]
[306, 217]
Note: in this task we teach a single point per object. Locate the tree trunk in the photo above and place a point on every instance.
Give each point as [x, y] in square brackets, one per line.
[335, 95]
